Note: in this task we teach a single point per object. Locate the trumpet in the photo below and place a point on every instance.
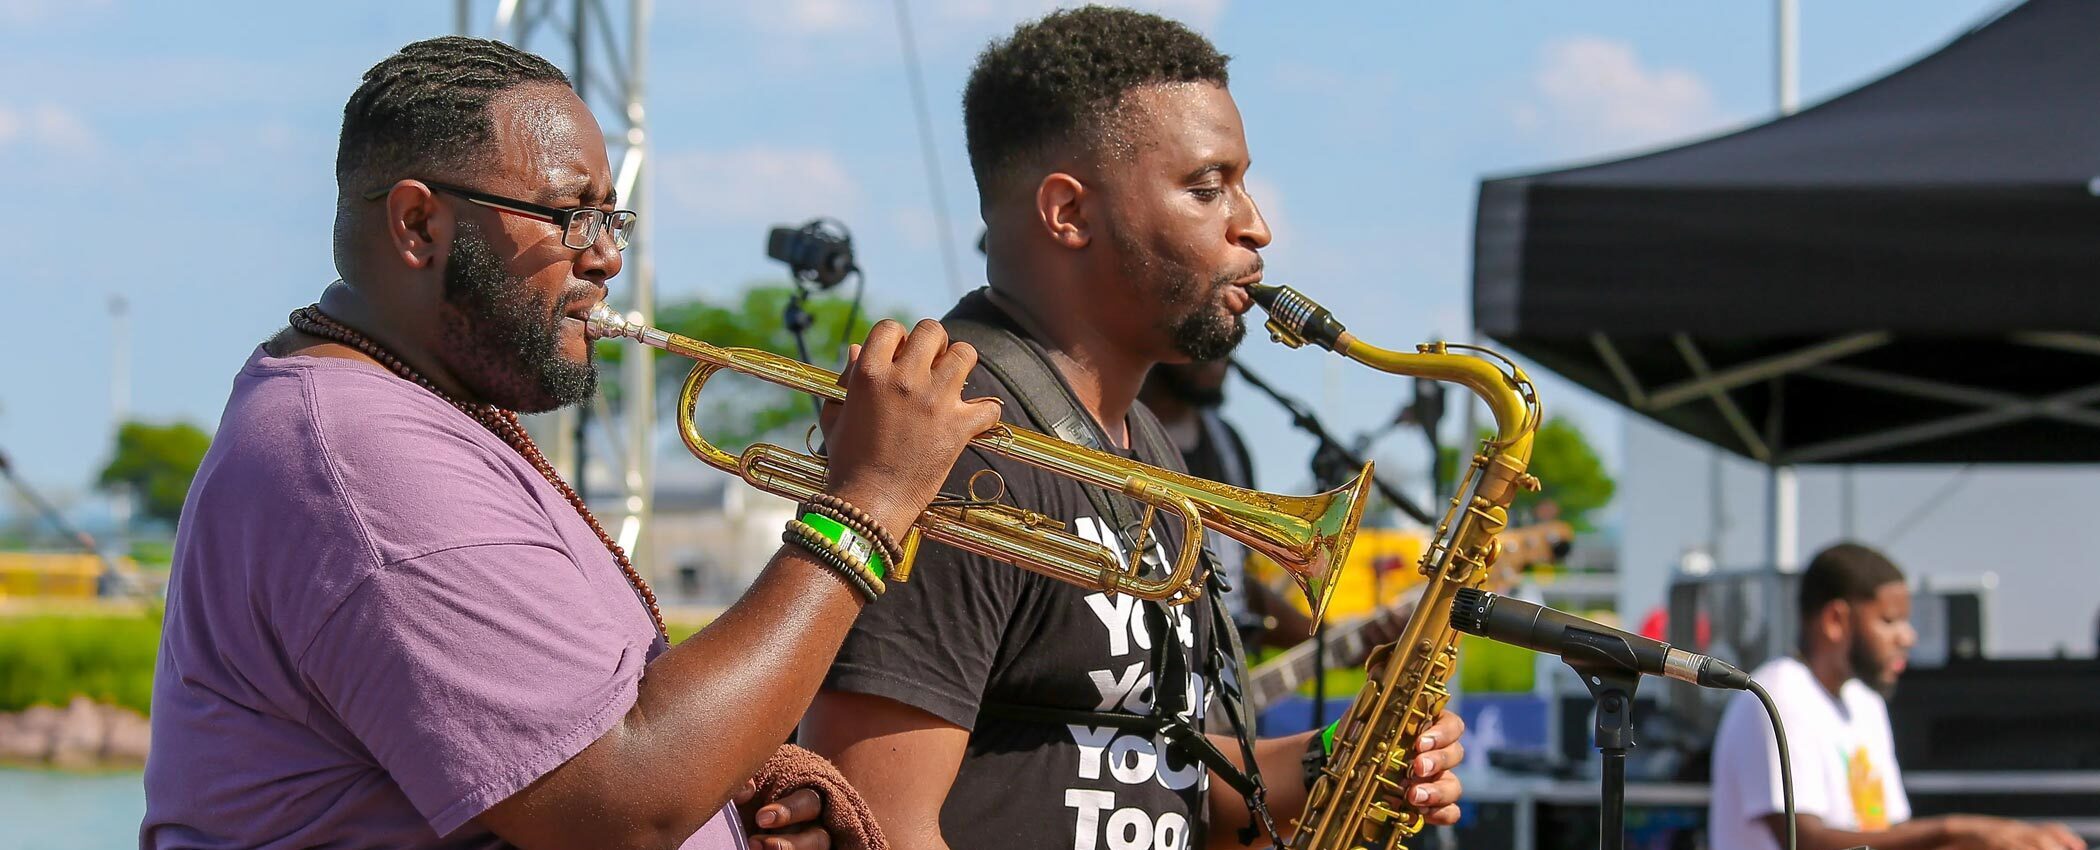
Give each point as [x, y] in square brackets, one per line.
[1308, 536]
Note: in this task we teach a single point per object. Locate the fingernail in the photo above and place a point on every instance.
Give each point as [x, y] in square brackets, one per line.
[1428, 741]
[1421, 795]
[768, 818]
[1424, 765]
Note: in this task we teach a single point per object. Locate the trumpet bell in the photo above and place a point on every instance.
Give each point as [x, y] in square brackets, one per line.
[1307, 536]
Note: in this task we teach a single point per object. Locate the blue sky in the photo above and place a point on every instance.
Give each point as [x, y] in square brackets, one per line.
[179, 156]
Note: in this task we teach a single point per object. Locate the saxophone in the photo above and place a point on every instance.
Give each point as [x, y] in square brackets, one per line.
[1347, 807]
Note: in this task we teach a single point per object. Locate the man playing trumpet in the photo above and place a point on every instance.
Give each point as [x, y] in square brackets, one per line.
[390, 623]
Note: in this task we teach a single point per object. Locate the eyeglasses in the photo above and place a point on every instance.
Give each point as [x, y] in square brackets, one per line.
[579, 225]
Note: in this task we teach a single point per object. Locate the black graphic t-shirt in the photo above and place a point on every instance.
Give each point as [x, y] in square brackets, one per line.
[967, 631]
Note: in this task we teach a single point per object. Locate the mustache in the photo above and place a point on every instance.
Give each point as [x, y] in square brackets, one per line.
[1232, 277]
[578, 292]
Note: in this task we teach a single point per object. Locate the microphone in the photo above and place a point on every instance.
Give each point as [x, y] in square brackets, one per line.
[1542, 629]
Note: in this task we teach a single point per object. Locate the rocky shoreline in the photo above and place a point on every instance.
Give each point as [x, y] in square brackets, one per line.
[84, 735]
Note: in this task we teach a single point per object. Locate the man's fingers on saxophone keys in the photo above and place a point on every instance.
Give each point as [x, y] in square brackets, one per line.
[1431, 765]
[1436, 799]
[1441, 734]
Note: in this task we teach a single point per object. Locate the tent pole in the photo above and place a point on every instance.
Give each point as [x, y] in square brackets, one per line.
[1789, 59]
[1783, 503]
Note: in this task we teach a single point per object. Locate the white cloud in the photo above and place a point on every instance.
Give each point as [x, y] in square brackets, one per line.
[58, 127]
[759, 185]
[812, 16]
[1597, 92]
[45, 125]
[26, 12]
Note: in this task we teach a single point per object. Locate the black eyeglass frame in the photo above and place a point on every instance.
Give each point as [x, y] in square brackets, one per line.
[560, 218]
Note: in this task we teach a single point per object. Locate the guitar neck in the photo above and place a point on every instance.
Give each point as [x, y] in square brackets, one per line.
[1279, 676]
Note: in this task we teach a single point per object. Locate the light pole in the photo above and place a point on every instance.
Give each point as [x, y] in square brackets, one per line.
[119, 408]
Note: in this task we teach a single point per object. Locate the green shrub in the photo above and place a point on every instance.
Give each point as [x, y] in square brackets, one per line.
[50, 658]
[1485, 666]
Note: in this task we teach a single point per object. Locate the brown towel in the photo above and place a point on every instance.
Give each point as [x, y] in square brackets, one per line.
[846, 815]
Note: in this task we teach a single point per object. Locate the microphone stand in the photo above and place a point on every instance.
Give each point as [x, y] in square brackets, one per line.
[796, 318]
[1325, 456]
[1612, 686]
[1330, 447]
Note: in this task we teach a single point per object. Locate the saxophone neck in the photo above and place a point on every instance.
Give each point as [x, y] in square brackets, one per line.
[1496, 380]
[1296, 320]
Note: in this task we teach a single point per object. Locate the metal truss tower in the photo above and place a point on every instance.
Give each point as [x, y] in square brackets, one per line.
[605, 43]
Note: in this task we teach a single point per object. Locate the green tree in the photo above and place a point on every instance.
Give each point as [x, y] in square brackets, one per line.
[157, 463]
[737, 410]
[1572, 476]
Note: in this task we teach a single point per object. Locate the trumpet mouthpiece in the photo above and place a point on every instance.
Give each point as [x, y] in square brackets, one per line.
[605, 323]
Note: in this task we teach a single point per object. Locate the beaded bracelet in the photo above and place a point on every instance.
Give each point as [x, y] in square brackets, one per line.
[823, 556]
[817, 537]
[858, 520]
[856, 546]
[836, 557]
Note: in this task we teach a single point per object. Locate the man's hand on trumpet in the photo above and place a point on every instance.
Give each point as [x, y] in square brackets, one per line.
[886, 456]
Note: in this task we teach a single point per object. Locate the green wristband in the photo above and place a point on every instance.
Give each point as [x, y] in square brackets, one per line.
[853, 543]
[1327, 737]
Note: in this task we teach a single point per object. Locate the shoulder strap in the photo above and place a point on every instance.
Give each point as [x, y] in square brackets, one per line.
[1017, 365]
[1050, 407]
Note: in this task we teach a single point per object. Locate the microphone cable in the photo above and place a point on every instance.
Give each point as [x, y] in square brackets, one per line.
[1786, 765]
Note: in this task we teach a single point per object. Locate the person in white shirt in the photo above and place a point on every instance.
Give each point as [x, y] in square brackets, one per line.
[1848, 790]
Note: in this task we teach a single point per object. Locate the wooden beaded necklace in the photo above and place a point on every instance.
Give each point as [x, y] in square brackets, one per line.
[503, 423]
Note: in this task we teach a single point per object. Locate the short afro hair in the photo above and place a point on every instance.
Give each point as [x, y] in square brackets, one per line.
[424, 110]
[1060, 79]
[1846, 571]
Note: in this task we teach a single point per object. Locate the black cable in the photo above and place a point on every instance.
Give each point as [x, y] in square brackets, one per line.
[1305, 421]
[846, 328]
[797, 319]
[1786, 765]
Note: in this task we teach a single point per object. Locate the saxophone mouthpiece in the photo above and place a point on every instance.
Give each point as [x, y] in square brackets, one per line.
[605, 323]
[1294, 319]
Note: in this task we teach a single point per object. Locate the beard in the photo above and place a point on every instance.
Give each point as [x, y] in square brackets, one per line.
[1204, 330]
[1209, 332]
[1868, 668]
[502, 339]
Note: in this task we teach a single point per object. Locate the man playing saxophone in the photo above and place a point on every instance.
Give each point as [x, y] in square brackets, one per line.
[983, 707]
[390, 623]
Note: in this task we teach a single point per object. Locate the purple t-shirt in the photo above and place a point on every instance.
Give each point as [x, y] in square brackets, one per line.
[381, 622]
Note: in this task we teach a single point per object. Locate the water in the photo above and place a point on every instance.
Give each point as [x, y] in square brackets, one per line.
[48, 810]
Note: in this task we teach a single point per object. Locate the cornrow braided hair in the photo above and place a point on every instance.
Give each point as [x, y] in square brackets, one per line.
[1060, 79]
[425, 108]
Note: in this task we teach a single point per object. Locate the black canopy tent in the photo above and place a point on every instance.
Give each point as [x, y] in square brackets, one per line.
[1902, 274]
